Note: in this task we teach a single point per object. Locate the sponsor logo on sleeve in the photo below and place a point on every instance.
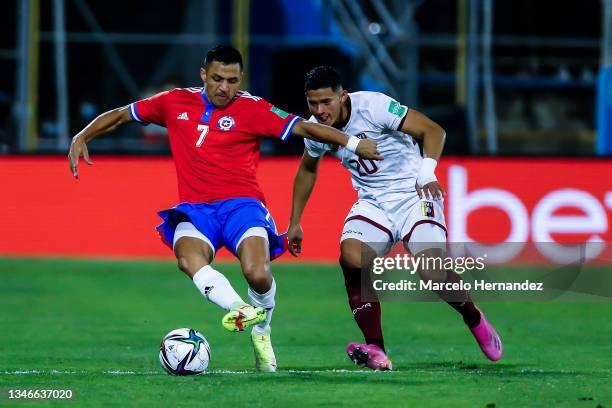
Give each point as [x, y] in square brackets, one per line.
[397, 109]
[279, 112]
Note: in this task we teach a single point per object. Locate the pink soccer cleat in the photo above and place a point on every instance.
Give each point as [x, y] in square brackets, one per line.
[369, 355]
[487, 339]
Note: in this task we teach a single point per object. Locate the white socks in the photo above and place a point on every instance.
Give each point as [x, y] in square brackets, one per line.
[216, 288]
[265, 300]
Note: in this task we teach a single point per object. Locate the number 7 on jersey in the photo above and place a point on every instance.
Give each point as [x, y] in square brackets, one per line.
[204, 130]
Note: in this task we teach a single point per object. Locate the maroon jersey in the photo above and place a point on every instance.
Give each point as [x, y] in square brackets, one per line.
[215, 150]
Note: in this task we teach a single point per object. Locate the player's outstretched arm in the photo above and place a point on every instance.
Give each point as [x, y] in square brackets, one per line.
[433, 136]
[304, 182]
[364, 148]
[104, 123]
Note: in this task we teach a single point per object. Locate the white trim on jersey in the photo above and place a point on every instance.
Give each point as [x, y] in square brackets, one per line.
[245, 94]
[134, 113]
[289, 128]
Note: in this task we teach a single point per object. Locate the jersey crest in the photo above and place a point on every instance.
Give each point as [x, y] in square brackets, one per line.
[226, 123]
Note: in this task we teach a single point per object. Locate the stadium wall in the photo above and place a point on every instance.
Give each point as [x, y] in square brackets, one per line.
[110, 210]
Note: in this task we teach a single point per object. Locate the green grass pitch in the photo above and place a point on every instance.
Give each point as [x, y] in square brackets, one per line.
[94, 327]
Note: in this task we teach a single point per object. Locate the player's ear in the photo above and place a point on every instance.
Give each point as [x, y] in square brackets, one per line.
[343, 95]
[203, 74]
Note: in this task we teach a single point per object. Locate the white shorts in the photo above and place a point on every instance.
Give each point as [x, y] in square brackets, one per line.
[417, 222]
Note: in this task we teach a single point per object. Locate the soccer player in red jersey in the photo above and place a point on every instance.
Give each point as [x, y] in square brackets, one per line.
[214, 134]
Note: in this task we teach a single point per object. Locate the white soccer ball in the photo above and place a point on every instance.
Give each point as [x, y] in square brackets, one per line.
[184, 352]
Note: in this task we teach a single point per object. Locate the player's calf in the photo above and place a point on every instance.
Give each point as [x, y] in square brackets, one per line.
[487, 338]
[254, 258]
[458, 299]
[363, 301]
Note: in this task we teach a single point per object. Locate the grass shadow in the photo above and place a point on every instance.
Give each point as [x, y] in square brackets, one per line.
[501, 370]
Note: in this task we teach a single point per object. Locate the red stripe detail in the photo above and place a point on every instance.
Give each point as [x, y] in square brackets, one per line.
[372, 222]
[285, 241]
[407, 237]
[239, 322]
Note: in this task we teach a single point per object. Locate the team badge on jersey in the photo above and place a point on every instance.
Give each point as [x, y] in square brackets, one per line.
[428, 209]
[226, 123]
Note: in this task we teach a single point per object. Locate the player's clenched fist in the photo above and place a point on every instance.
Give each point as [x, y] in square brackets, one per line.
[295, 235]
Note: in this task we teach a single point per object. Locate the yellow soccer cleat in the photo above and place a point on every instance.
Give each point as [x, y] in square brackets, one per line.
[265, 361]
[242, 316]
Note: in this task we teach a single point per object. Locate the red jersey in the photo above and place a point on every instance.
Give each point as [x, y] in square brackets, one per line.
[215, 150]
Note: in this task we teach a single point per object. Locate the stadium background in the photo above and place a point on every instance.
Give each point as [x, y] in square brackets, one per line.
[523, 88]
[501, 82]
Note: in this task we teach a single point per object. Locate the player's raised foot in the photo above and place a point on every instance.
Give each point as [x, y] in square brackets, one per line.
[369, 355]
[242, 316]
[487, 339]
[265, 360]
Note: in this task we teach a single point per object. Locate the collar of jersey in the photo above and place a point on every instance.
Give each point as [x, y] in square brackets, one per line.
[207, 114]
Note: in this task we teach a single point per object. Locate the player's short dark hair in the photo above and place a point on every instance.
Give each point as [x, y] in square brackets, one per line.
[323, 77]
[224, 54]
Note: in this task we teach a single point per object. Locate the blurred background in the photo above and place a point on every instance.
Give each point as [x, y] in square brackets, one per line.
[523, 88]
[503, 77]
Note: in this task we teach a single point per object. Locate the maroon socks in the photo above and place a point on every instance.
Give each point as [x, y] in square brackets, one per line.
[366, 314]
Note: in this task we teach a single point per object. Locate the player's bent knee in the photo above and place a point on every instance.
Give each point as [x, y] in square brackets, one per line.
[257, 274]
[435, 275]
[185, 265]
[192, 254]
[353, 254]
[350, 260]
[191, 264]
[431, 268]
[190, 260]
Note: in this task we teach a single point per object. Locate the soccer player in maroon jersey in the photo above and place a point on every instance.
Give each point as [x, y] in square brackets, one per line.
[214, 134]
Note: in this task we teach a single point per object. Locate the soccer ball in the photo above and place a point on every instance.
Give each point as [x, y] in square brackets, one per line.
[184, 352]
